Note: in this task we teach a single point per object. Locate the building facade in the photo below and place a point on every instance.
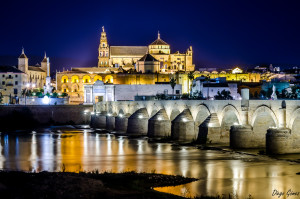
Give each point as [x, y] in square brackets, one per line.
[99, 91]
[13, 80]
[134, 65]
[128, 56]
[36, 75]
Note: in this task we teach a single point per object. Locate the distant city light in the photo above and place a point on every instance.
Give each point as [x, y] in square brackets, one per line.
[46, 100]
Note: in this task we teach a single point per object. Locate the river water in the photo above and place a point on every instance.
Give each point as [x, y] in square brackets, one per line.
[218, 172]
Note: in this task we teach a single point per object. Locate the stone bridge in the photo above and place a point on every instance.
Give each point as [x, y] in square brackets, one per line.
[242, 123]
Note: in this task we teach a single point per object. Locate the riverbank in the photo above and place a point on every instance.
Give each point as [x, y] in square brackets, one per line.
[130, 185]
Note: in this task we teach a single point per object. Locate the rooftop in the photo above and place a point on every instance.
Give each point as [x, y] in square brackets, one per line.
[148, 57]
[35, 68]
[9, 69]
[159, 41]
[128, 50]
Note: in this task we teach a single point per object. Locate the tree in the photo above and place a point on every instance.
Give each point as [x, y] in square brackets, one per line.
[191, 77]
[224, 95]
[262, 94]
[64, 94]
[173, 84]
[54, 95]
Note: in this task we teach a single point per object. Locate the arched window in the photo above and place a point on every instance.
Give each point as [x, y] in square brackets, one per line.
[97, 77]
[75, 79]
[64, 79]
[86, 79]
[109, 79]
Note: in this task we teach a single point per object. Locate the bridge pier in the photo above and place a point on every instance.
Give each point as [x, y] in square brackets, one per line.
[280, 140]
[121, 123]
[159, 125]
[241, 135]
[110, 121]
[210, 131]
[183, 127]
[138, 122]
[98, 120]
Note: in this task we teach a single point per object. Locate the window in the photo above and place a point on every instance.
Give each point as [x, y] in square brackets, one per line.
[65, 81]
[3, 75]
[16, 76]
[16, 91]
[65, 90]
[177, 92]
[9, 76]
[3, 82]
[16, 82]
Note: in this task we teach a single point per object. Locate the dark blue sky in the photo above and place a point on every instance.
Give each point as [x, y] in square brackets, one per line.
[222, 33]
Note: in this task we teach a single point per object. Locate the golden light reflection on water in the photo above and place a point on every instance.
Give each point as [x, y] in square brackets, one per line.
[218, 173]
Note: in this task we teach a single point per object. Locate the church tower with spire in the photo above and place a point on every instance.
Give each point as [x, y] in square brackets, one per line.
[103, 56]
[45, 65]
[23, 62]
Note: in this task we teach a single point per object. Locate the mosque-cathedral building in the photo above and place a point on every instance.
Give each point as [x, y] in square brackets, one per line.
[152, 64]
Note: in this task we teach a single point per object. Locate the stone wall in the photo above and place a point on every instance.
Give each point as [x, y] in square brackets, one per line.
[17, 115]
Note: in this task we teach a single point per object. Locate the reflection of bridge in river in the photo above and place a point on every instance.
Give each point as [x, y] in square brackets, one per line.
[207, 120]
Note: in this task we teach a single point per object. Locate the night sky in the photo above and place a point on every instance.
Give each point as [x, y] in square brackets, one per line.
[222, 33]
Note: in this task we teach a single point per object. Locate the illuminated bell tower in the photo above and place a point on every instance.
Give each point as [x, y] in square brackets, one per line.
[103, 57]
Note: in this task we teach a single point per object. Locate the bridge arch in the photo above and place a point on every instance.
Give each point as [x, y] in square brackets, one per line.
[264, 110]
[201, 112]
[175, 112]
[294, 123]
[228, 117]
[262, 119]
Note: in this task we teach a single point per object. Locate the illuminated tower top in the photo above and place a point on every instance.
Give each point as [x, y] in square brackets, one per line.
[103, 57]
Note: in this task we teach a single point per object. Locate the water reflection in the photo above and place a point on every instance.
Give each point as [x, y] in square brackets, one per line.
[219, 173]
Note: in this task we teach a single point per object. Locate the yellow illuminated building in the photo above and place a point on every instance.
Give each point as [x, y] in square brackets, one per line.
[72, 82]
[122, 65]
[128, 56]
